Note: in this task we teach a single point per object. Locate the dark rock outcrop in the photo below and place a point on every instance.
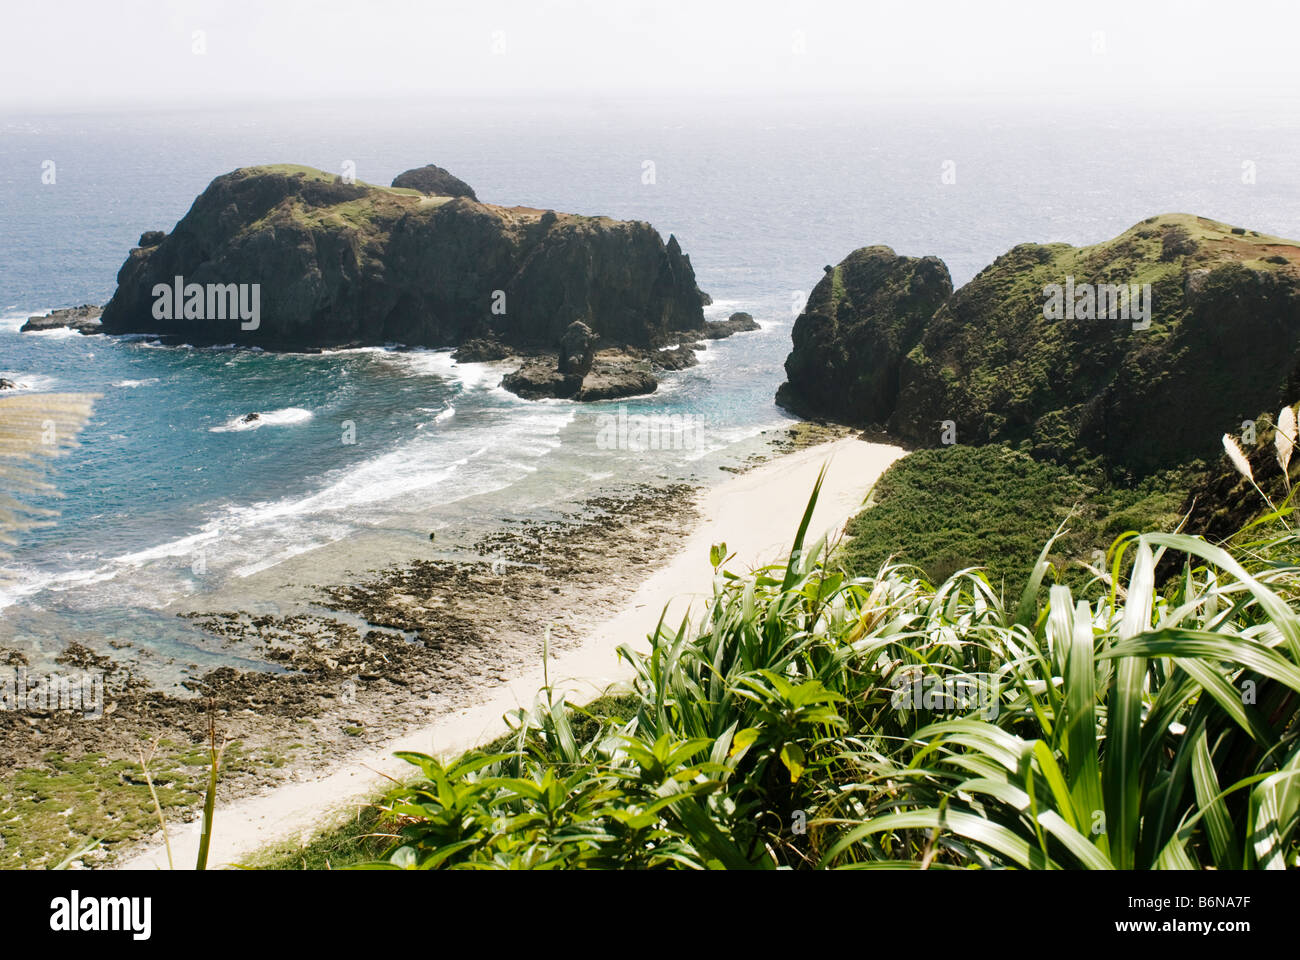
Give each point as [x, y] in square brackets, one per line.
[612, 381]
[1223, 342]
[736, 323]
[84, 319]
[480, 351]
[8, 384]
[340, 263]
[434, 181]
[151, 238]
[577, 350]
[540, 378]
[860, 320]
[676, 358]
[608, 379]
[717, 329]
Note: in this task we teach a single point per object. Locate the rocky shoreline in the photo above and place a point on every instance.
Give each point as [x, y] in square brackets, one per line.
[584, 369]
[374, 657]
[367, 660]
[603, 373]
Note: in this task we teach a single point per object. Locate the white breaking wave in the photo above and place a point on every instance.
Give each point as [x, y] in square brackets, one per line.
[441, 415]
[173, 548]
[275, 418]
[419, 465]
[723, 309]
[439, 363]
[445, 415]
[238, 540]
[27, 382]
[289, 554]
[422, 470]
[134, 383]
[58, 333]
[17, 583]
[349, 350]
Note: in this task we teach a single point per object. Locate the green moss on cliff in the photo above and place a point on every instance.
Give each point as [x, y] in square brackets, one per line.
[311, 174]
[359, 263]
[1223, 340]
[1136, 388]
[360, 206]
[838, 292]
[859, 321]
[1085, 416]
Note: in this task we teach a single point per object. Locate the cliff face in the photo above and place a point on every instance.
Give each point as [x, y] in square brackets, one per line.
[354, 263]
[860, 320]
[1223, 341]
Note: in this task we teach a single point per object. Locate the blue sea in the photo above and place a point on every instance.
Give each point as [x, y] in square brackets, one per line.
[170, 504]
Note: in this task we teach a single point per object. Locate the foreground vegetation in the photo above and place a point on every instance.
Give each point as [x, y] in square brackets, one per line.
[946, 509]
[812, 719]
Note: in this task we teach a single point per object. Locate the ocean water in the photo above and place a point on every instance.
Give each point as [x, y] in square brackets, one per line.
[171, 503]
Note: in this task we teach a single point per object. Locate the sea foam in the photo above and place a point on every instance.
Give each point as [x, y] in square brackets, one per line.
[275, 418]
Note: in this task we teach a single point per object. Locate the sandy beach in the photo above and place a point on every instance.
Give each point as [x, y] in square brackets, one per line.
[755, 513]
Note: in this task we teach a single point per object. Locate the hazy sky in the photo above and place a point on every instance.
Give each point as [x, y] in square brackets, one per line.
[94, 53]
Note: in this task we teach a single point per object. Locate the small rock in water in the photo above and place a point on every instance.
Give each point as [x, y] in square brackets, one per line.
[480, 350]
[251, 417]
[7, 384]
[83, 319]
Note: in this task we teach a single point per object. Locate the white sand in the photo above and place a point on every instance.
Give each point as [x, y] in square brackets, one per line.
[756, 514]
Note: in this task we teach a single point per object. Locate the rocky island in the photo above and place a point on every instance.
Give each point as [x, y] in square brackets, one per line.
[327, 263]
